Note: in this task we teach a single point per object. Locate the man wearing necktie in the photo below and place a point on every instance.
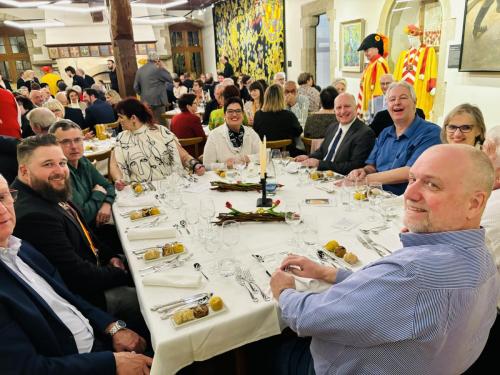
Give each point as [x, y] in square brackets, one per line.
[346, 144]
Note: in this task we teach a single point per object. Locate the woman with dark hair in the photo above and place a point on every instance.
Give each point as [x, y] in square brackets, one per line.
[275, 122]
[231, 140]
[187, 124]
[245, 81]
[264, 84]
[74, 100]
[317, 122]
[146, 151]
[25, 105]
[179, 88]
[257, 96]
[198, 91]
[217, 116]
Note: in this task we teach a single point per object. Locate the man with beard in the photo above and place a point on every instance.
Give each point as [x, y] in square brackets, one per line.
[47, 219]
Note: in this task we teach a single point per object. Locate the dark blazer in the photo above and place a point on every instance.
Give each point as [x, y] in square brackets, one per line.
[8, 157]
[75, 115]
[228, 70]
[114, 80]
[99, 112]
[60, 238]
[351, 153]
[383, 120]
[79, 81]
[89, 81]
[277, 126]
[34, 340]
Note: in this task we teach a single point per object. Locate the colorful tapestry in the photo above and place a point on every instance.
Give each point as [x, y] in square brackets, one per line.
[251, 34]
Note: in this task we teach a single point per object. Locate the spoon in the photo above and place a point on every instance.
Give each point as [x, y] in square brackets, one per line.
[197, 267]
[184, 225]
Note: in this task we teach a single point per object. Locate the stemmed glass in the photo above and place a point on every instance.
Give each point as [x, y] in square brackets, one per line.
[239, 165]
[191, 215]
[230, 239]
[207, 212]
[374, 195]
[293, 218]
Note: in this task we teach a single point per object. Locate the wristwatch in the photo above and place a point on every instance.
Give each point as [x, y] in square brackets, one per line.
[118, 325]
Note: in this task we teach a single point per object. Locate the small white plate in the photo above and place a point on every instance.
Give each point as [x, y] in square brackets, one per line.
[211, 313]
[168, 257]
[145, 217]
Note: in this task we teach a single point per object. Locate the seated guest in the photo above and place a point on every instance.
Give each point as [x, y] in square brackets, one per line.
[318, 122]
[209, 85]
[36, 97]
[198, 91]
[77, 79]
[5, 83]
[244, 84]
[61, 86]
[188, 82]
[216, 103]
[231, 140]
[40, 120]
[25, 106]
[296, 103]
[56, 107]
[179, 88]
[112, 97]
[98, 111]
[430, 304]
[145, 151]
[340, 84]
[383, 120]
[398, 146]
[90, 191]
[306, 88]
[89, 81]
[217, 116]
[27, 79]
[74, 100]
[464, 125]
[255, 104]
[275, 122]
[9, 115]
[379, 103]
[279, 79]
[187, 124]
[347, 143]
[48, 220]
[73, 114]
[8, 159]
[45, 327]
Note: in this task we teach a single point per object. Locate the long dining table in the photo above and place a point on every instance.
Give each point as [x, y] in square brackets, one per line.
[242, 320]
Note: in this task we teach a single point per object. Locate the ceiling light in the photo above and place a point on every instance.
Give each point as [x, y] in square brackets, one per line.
[157, 21]
[159, 6]
[63, 8]
[28, 4]
[35, 24]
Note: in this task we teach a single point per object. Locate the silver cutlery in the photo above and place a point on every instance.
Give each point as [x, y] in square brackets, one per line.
[165, 262]
[149, 224]
[375, 244]
[176, 226]
[242, 282]
[248, 276]
[171, 263]
[167, 313]
[184, 225]
[142, 251]
[369, 247]
[375, 230]
[180, 301]
[197, 267]
[260, 259]
[336, 262]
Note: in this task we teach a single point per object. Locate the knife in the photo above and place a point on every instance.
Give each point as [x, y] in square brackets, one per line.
[261, 260]
[181, 301]
[368, 246]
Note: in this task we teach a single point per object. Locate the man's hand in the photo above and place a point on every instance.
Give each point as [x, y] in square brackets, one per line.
[89, 135]
[98, 187]
[305, 267]
[281, 281]
[200, 170]
[104, 214]
[311, 162]
[126, 340]
[120, 185]
[357, 174]
[117, 262]
[132, 364]
[301, 158]
[230, 163]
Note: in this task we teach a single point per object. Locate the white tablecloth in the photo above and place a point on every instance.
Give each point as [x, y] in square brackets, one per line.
[244, 321]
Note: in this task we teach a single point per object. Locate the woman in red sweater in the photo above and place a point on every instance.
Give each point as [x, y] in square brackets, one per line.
[187, 124]
[9, 120]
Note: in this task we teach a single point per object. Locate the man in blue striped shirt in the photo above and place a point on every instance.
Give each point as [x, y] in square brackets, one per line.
[425, 309]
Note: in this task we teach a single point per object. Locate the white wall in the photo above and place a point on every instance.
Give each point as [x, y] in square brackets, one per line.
[208, 40]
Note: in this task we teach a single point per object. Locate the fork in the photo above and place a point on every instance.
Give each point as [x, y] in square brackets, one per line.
[375, 244]
[241, 281]
[248, 277]
[368, 246]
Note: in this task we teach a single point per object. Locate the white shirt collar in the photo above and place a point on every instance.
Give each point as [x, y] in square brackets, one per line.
[9, 253]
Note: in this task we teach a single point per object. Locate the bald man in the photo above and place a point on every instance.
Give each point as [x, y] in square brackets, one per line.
[425, 309]
[346, 145]
[36, 98]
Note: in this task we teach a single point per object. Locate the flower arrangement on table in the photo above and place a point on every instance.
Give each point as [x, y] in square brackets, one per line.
[238, 186]
[261, 214]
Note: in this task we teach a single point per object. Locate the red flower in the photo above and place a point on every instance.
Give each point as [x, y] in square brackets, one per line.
[229, 205]
[276, 203]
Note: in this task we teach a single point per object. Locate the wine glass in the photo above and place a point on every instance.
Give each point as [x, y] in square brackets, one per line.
[276, 156]
[207, 209]
[230, 240]
[110, 132]
[293, 218]
[240, 164]
[374, 195]
[191, 215]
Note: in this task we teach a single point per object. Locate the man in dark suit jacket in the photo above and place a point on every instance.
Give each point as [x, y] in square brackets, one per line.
[383, 120]
[43, 325]
[97, 111]
[346, 145]
[75, 115]
[57, 229]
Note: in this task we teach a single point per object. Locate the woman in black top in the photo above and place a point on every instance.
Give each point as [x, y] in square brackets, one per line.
[275, 122]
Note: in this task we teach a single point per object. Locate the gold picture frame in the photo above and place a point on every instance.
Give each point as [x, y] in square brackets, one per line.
[352, 34]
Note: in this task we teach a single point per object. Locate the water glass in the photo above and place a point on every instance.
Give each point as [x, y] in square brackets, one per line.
[303, 176]
[310, 232]
[230, 239]
[374, 195]
[293, 218]
[239, 165]
[207, 209]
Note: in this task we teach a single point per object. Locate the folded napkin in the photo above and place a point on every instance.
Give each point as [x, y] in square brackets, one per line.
[395, 202]
[292, 167]
[173, 278]
[151, 233]
[303, 284]
[147, 201]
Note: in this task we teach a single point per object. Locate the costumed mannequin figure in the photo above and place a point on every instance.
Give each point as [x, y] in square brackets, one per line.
[376, 49]
[418, 66]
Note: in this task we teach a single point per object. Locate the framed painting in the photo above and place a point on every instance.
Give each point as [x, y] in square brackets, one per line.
[74, 51]
[104, 50]
[63, 52]
[53, 53]
[480, 35]
[94, 51]
[351, 36]
[84, 51]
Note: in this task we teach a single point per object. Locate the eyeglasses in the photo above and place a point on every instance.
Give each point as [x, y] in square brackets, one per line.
[463, 128]
[9, 198]
[290, 91]
[67, 142]
[234, 112]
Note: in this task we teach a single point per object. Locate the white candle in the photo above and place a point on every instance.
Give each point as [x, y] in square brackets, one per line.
[263, 158]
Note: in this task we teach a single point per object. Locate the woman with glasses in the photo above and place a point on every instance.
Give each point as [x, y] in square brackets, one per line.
[464, 125]
[231, 140]
[144, 150]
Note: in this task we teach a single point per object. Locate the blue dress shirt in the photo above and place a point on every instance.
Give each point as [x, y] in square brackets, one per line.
[425, 309]
[391, 152]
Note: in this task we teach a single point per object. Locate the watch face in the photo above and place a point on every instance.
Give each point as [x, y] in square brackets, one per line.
[121, 324]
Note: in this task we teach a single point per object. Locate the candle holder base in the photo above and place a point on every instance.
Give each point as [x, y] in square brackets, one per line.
[264, 202]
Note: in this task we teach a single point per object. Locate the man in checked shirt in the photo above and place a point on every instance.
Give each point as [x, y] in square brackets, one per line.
[425, 309]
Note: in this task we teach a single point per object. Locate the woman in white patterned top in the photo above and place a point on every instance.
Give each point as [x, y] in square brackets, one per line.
[305, 82]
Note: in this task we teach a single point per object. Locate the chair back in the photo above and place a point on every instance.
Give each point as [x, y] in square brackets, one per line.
[112, 125]
[280, 144]
[192, 142]
[307, 143]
